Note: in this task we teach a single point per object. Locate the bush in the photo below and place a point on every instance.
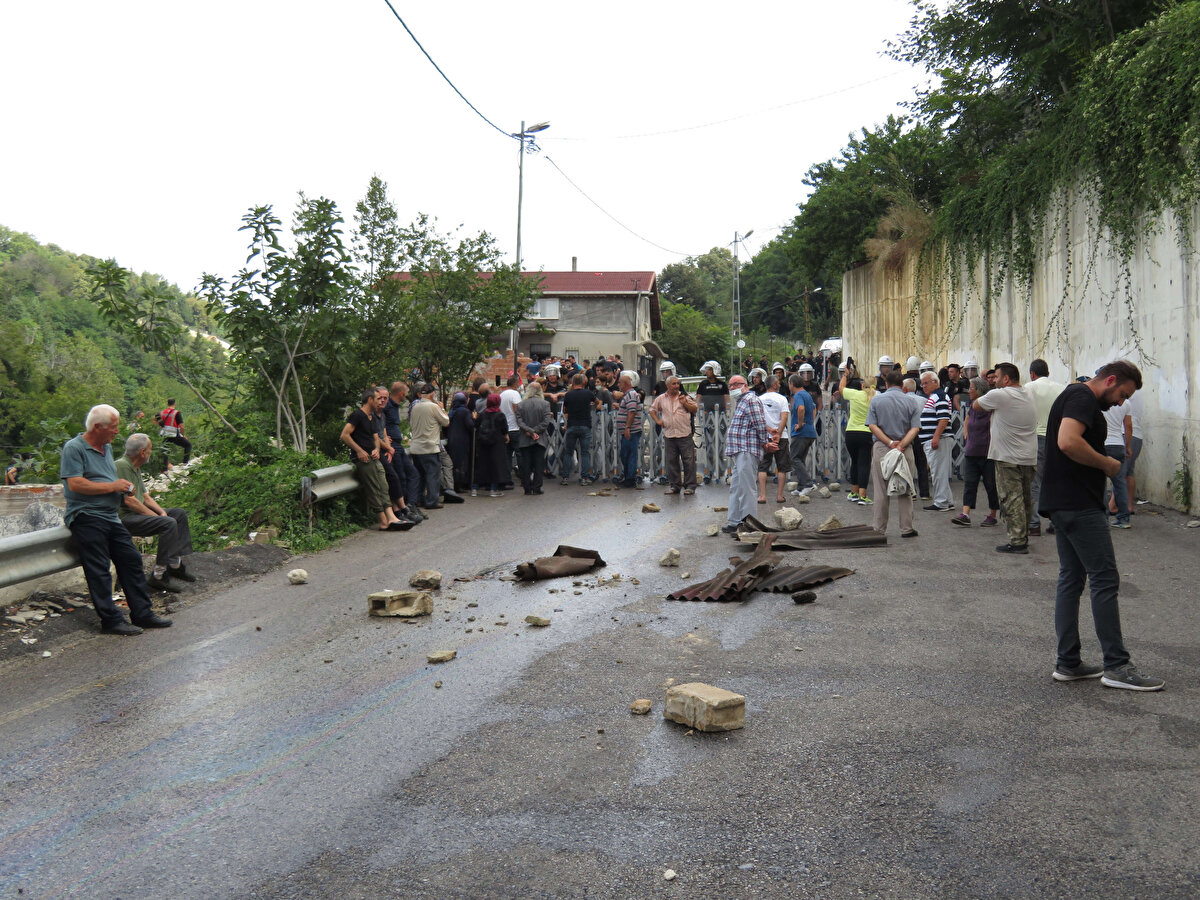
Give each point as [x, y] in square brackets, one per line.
[245, 483]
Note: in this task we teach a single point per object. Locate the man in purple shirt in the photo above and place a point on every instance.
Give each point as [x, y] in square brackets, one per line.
[745, 442]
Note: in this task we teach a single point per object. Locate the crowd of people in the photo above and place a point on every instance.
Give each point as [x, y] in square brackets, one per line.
[1042, 449]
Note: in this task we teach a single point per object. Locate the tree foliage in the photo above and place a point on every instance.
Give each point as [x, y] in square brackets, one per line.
[703, 282]
[689, 337]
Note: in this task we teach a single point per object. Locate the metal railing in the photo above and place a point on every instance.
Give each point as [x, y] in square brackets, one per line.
[332, 481]
[35, 554]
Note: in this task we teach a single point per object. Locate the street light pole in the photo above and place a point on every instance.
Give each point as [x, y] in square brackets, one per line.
[521, 137]
[736, 311]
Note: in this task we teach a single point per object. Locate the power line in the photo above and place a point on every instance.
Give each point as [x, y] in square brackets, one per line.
[443, 74]
[610, 215]
[747, 115]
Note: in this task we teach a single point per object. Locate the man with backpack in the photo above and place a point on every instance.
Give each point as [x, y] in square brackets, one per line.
[170, 427]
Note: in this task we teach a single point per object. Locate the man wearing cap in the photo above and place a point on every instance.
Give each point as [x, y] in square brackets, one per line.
[745, 443]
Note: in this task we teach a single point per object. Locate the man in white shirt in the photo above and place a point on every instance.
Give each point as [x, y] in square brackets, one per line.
[1044, 393]
[509, 398]
[1014, 450]
[1118, 444]
[775, 411]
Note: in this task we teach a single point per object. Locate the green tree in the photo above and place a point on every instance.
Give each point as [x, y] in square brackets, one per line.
[689, 338]
[703, 282]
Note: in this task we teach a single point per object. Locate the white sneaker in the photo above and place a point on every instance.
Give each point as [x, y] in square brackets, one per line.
[808, 490]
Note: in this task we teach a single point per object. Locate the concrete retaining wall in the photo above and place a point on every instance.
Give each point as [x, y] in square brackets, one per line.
[1075, 315]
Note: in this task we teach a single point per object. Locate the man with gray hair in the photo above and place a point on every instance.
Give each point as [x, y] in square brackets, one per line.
[93, 493]
[935, 419]
[142, 515]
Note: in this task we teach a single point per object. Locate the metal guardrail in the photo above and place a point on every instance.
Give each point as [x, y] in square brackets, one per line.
[332, 481]
[38, 553]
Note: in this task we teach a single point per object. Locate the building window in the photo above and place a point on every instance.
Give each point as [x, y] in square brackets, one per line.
[541, 351]
[545, 308]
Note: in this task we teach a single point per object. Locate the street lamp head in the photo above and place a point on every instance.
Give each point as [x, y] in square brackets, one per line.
[540, 126]
[747, 234]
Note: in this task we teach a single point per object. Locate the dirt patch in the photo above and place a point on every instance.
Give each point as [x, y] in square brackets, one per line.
[214, 571]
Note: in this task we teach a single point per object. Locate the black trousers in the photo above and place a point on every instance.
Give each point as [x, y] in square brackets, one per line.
[101, 541]
[172, 530]
[533, 461]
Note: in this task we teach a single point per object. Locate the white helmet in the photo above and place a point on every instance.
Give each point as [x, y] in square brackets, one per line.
[971, 368]
[927, 366]
[970, 364]
[667, 366]
[886, 360]
[805, 367]
[550, 369]
[759, 372]
[841, 367]
[777, 365]
[714, 365]
[910, 364]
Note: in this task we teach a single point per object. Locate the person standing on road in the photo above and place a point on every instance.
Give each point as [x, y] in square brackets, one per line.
[1073, 499]
[977, 440]
[936, 444]
[673, 413]
[578, 405]
[629, 427]
[1044, 393]
[533, 415]
[895, 421]
[1119, 445]
[775, 410]
[858, 436]
[804, 434]
[745, 443]
[94, 493]
[1014, 449]
[426, 420]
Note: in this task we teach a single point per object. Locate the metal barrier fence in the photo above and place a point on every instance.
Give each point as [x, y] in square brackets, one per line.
[27, 556]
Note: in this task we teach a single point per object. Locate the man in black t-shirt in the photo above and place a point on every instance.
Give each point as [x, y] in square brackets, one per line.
[578, 405]
[1072, 496]
[713, 392]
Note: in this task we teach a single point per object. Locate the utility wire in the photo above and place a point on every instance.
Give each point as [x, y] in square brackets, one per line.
[443, 74]
[610, 215]
[746, 115]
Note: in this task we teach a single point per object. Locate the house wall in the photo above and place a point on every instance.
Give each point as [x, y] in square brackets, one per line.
[1074, 315]
[593, 326]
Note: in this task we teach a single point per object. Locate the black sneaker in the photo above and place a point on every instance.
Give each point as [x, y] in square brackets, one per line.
[729, 529]
[161, 584]
[1011, 548]
[122, 628]
[1076, 673]
[152, 621]
[912, 533]
[1129, 678]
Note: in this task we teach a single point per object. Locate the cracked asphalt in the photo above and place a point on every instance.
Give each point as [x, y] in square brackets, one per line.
[903, 739]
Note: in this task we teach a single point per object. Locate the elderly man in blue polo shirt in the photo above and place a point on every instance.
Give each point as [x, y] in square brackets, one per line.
[895, 421]
[94, 494]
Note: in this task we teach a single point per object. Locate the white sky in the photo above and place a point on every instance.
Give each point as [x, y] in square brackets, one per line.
[144, 130]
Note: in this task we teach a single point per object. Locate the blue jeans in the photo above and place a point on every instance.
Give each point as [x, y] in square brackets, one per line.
[1085, 550]
[98, 541]
[629, 454]
[1120, 490]
[581, 436]
[429, 465]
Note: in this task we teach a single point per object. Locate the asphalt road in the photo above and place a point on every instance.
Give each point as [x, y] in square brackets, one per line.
[904, 737]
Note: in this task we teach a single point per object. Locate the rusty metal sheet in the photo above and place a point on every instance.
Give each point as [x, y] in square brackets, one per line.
[786, 579]
[845, 538]
[734, 584]
[565, 561]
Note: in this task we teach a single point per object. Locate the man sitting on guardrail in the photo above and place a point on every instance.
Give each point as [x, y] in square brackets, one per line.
[93, 493]
[145, 518]
[361, 435]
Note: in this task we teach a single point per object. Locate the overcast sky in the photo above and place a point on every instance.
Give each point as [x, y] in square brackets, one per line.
[144, 130]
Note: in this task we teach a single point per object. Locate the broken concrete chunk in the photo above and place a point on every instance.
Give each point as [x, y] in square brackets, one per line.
[789, 519]
[298, 576]
[835, 486]
[824, 492]
[538, 621]
[400, 603]
[426, 580]
[651, 508]
[670, 558]
[1195, 523]
[804, 498]
[713, 530]
[704, 707]
[640, 707]
[830, 524]
[441, 656]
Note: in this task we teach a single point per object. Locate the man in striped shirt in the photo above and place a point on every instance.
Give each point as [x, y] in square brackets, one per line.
[629, 426]
[745, 442]
[937, 444]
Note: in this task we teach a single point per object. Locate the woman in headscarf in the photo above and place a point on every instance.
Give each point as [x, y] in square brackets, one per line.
[491, 459]
[458, 444]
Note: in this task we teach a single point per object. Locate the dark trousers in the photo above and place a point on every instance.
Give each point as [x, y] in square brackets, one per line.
[429, 467]
[514, 457]
[681, 453]
[180, 441]
[99, 542]
[630, 447]
[395, 474]
[858, 445]
[533, 462]
[1085, 551]
[172, 530]
[975, 468]
[922, 469]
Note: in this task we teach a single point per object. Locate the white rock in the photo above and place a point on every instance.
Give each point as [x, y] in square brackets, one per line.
[46, 654]
[824, 492]
[791, 486]
[830, 524]
[669, 875]
[670, 558]
[803, 498]
[789, 519]
[835, 486]
[298, 576]
[712, 530]
[1195, 523]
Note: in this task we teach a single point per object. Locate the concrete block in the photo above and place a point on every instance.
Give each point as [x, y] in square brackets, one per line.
[400, 603]
[670, 558]
[704, 707]
[426, 580]
[830, 524]
[789, 519]
[538, 621]
[640, 707]
[441, 656]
